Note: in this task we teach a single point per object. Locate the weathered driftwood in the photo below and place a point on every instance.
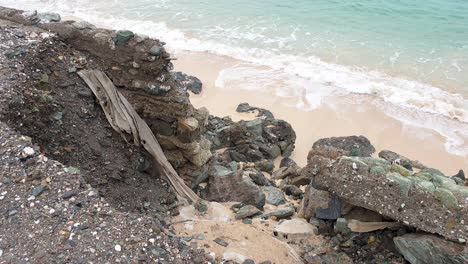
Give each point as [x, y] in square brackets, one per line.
[364, 227]
[123, 118]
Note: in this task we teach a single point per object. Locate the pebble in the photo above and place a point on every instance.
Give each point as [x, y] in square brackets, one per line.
[38, 190]
[221, 242]
[118, 248]
[28, 152]
[69, 194]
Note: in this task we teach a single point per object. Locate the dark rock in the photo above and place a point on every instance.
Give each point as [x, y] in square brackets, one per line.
[244, 107]
[221, 242]
[187, 83]
[291, 190]
[425, 248]
[249, 261]
[201, 207]
[300, 180]
[155, 50]
[38, 190]
[320, 204]
[354, 145]
[258, 178]
[69, 194]
[247, 211]
[396, 158]
[460, 175]
[273, 195]
[123, 36]
[333, 211]
[227, 185]
[284, 172]
[265, 165]
[287, 162]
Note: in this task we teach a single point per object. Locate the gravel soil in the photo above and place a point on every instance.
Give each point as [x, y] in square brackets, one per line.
[71, 189]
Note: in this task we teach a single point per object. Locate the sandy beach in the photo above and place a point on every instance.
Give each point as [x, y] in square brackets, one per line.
[336, 116]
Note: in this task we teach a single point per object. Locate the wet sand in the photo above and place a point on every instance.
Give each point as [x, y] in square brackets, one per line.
[336, 116]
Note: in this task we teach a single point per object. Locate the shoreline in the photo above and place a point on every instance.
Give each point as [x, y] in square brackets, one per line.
[336, 116]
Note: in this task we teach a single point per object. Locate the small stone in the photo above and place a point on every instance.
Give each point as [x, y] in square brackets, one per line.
[249, 261]
[69, 194]
[27, 152]
[73, 170]
[201, 207]
[37, 190]
[341, 226]
[221, 242]
[12, 212]
[199, 236]
[247, 221]
[371, 239]
[115, 68]
[118, 248]
[57, 116]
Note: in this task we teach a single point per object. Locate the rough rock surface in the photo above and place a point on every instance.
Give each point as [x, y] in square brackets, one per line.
[396, 158]
[353, 145]
[427, 200]
[226, 184]
[424, 248]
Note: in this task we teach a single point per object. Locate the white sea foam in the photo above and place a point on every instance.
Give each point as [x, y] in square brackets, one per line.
[309, 79]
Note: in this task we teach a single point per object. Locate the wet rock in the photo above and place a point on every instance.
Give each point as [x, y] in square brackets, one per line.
[273, 195]
[155, 50]
[279, 213]
[247, 211]
[353, 145]
[187, 83]
[122, 36]
[245, 107]
[291, 190]
[227, 185]
[425, 248]
[48, 17]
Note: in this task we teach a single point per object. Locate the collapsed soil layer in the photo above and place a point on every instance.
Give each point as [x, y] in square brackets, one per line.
[62, 117]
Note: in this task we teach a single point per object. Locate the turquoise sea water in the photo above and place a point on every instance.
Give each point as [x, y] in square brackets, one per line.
[412, 54]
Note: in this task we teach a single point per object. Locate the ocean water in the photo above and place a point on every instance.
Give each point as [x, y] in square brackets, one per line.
[410, 54]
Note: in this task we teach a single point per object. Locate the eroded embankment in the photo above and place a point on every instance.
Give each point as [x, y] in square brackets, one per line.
[359, 205]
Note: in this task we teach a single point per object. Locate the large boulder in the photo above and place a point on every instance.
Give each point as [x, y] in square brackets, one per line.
[226, 184]
[427, 200]
[353, 145]
[425, 248]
